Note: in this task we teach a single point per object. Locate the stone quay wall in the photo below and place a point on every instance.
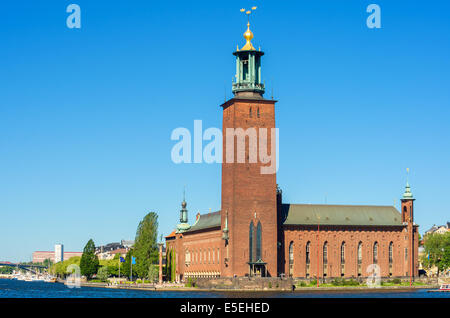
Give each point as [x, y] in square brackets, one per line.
[245, 283]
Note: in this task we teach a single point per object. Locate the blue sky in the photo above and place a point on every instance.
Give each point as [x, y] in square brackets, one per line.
[86, 114]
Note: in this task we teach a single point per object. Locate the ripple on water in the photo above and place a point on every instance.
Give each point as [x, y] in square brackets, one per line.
[22, 289]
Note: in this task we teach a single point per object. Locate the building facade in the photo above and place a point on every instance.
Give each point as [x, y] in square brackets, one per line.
[41, 256]
[59, 253]
[256, 234]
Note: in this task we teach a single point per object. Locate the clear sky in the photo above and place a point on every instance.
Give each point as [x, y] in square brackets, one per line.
[86, 114]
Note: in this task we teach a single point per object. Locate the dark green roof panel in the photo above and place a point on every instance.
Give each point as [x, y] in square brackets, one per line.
[206, 221]
[362, 215]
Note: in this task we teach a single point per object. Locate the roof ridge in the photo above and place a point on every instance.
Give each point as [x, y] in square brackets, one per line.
[210, 213]
[355, 205]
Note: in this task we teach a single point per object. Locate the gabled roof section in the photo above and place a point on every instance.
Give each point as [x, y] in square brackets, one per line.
[171, 235]
[361, 215]
[206, 221]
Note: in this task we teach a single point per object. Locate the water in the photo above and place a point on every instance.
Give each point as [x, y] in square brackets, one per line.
[22, 289]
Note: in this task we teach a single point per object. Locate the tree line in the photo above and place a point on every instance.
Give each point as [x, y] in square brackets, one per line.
[437, 251]
[145, 252]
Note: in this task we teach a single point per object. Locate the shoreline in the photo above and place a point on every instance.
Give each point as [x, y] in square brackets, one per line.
[361, 289]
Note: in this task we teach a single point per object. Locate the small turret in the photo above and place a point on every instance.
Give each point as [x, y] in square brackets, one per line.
[183, 226]
[407, 203]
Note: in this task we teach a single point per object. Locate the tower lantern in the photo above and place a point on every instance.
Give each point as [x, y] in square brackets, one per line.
[248, 67]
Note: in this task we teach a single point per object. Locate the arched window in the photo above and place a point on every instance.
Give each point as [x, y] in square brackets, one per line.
[250, 113]
[359, 258]
[258, 113]
[375, 253]
[307, 259]
[200, 256]
[325, 259]
[343, 259]
[250, 242]
[258, 242]
[187, 257]
[291, 259]
[391, 252]
[391, 257]
[360, 253]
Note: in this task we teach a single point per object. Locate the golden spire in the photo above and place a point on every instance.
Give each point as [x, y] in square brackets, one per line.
[248, 35]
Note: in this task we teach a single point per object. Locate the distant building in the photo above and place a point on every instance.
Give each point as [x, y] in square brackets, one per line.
[41, 256]
[109, 250]
[111, 254]
[122, 251]
[127, 243]
[59, 253]
[440, 229]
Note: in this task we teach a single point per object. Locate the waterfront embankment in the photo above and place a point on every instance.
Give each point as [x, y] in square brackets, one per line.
[181, 287]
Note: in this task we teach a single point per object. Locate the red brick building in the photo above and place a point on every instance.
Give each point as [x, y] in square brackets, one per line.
[41, 256]
[256, 234]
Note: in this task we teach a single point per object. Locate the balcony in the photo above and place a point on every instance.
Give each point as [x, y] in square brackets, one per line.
[248, 86]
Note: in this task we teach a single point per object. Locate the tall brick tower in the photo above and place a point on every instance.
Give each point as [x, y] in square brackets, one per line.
[249, 199]
[411, 245]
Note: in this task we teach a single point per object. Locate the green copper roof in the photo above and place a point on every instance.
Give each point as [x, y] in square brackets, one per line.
[183, 227]
[206, 221]
[407, 195]
[308, 214]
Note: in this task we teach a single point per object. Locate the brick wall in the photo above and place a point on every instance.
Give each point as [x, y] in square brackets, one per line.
[335, 236]
[247, 194]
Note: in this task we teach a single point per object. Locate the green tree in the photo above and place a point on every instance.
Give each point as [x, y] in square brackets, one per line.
[125, 268]
[103, 273]
[6, 270]
[145, 246]
[60, 269]
[47, 262]
[89, 262]
[112, 265]
[153, 273]
[168, 267]
[437, 251]
[174, 268]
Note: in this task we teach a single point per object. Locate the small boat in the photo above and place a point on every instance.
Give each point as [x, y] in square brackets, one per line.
[442, 288]
[50, 280]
